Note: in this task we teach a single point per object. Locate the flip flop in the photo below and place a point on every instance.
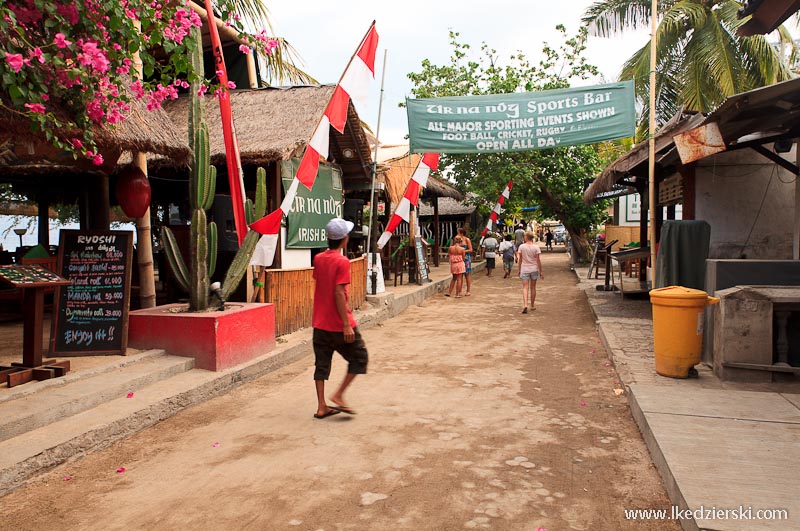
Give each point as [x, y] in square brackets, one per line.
[343, 409]
[331, 412]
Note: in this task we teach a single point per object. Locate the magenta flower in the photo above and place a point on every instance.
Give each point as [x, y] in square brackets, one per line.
[37, 54]
[35, 107]
[61, 41]
[77, 143]
[245, 49]
[97, 160]
[137, 89]
[231, 85]
[220, 73]
[15, 61]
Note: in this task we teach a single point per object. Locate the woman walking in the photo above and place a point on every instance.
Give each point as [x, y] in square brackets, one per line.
[455, 254]
[530, 269]
[466, 243]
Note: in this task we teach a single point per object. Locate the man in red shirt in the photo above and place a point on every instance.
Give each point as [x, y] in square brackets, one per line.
[333, 322]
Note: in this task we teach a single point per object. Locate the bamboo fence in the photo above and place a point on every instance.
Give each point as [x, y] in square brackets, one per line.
[292, 293]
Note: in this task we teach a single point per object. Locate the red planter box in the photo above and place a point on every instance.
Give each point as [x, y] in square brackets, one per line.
[216, 340]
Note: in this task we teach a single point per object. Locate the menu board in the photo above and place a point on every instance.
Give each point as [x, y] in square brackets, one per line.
[422, 266]
[91, 314]
[22, 276]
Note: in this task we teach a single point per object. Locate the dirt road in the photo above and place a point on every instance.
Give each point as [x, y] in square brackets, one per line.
[473, 416]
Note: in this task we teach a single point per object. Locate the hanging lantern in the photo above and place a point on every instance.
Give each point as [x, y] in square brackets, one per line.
[133, 192]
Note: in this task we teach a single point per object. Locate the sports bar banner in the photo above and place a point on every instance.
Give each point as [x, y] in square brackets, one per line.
[495, 123]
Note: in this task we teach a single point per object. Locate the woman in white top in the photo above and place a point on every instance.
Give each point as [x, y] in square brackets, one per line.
[528, 256]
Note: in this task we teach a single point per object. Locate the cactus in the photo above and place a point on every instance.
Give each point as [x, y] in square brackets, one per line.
[204, 236]
[213, 240]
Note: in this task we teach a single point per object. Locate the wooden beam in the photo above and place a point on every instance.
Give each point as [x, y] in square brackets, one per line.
[365, 166]
[777, 159]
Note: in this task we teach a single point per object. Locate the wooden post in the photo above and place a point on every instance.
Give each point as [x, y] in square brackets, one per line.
[144, 248]
[653, 200]
[688, 180]
[437, 237]
[43, 202]
[99, 202]
[643, 234]
[412, 232]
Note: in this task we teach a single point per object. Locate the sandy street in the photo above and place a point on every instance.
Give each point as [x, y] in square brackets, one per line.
[472, 416]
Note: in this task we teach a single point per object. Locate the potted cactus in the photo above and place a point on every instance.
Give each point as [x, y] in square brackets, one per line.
[239, 331]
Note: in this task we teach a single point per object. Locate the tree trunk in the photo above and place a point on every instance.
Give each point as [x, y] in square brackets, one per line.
[144, 249]
[580, 244]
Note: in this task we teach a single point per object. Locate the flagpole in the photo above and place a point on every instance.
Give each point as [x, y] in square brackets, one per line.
[372, 209]
[652, 141]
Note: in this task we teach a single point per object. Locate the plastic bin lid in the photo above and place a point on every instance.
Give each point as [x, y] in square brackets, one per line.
[678, 292]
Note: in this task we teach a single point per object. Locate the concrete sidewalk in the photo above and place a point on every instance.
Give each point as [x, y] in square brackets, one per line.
[717, 445]
[54, 421]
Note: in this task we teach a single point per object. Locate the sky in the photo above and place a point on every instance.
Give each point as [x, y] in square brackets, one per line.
[327, 33]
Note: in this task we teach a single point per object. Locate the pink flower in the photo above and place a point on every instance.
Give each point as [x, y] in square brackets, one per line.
[220, 73]
[120, 470]
[137, 89]
[583, 403]
[245, 49]
[202, 90]
[14, 60]
[45, 97]
[61, 41]
[231, 85]
[69, 12]
[271, 45]
[97, 160]
[35, 107]
[77, 143]
[37, 54]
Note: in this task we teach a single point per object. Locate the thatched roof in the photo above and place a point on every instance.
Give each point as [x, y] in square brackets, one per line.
[143, 131]
[447, 207]
[398, 172]
[273, 124]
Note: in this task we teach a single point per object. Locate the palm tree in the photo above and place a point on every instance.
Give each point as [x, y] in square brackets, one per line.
[701, 60]
[281, 66]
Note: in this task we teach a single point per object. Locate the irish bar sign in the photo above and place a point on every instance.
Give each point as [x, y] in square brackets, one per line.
[495, 123]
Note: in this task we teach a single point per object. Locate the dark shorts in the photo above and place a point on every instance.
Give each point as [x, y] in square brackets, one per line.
[490, 263]
[325, 343]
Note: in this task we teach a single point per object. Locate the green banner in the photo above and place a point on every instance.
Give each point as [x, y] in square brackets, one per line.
[312, 209]
[497, 123]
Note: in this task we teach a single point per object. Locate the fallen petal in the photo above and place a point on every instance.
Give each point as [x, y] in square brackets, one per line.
[120, 470]
[583, 403]
[215, 445]
[68, 478]
[130, 395]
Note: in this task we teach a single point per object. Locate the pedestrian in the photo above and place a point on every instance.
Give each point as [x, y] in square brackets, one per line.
[530, 269]
[455, 254]
[519, 235]
[548, 237]
[335, 328]
[489, 247]
[467, 245]
[507, 251]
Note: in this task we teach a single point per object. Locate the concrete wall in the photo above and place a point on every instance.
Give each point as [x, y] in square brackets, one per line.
[730, 188]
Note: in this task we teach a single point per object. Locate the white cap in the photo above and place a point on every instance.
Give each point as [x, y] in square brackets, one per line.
[337, 228]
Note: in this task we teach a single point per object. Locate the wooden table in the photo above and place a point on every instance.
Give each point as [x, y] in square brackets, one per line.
[33, 280]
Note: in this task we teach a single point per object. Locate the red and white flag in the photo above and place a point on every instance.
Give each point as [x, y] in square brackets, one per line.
[353, 85]
[496, 211]
[419, 179]
[235, 178]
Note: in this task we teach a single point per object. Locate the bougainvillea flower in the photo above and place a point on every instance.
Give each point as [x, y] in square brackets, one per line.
[14, 60]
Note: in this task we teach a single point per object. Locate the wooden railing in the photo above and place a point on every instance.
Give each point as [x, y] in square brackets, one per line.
[292, 293]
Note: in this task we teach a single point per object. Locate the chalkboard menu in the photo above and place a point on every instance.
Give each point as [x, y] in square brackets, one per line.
[422, 265]
[22, 276]
[91, 314]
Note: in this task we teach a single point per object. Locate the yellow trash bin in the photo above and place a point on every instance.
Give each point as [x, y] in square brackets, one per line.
[678, 320]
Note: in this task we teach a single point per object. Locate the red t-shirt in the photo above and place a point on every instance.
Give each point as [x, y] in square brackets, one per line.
[331, 268]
